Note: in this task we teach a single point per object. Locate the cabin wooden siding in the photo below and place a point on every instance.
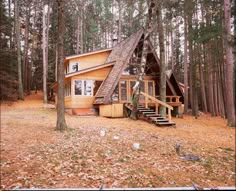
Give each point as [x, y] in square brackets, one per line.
[80, 101]
[68, 103]
[88, 61]
[93, 75]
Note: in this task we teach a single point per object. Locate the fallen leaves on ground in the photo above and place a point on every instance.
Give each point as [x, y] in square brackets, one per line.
[34, 155]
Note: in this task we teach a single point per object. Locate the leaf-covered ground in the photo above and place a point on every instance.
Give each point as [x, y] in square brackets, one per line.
[33, 154]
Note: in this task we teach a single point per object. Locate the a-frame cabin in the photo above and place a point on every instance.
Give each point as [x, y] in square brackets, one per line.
[101, 80]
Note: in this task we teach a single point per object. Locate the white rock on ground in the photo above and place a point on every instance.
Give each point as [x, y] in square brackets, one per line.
[102, 133]
[49, 106]
[116, 138]
[136, 146]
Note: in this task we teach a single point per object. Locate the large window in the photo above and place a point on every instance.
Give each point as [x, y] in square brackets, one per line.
[84, 87]
[123, 89]
[115, 95]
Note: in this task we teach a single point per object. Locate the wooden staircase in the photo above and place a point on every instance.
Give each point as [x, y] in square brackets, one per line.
[150, 115]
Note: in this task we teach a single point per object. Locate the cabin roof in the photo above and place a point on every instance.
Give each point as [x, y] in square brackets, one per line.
[120, 55]
[174, 82]
[87, 54]
[168, 73]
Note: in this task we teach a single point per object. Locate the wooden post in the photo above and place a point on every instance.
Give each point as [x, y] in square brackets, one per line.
[157, 108]
[146, 102]
[169, 114]
[177, 99]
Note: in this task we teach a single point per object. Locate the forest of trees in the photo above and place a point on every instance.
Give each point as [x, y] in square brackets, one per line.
[199, 44]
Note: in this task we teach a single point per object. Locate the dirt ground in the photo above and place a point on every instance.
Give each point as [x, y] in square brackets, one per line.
[33, 154]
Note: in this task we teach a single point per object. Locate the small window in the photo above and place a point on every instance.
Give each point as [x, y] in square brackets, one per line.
[75, 67]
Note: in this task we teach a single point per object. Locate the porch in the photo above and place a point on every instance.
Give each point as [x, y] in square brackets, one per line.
[124, 92]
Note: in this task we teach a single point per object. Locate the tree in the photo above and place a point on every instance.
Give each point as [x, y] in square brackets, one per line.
[26, 49]
[185, 64]
[148, 30]
[17, 33]
[162, 59]
[230, 106]
[46, 14]
[61, 122]
[8, 58]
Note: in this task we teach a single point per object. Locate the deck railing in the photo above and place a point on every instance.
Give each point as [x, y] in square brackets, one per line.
[157, 102]
[171, 99]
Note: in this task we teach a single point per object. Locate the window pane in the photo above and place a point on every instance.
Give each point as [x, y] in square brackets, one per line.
[115, 95]
[142, 89]
[88, 85]
[123, 88]
[150, 88]
[78, 87]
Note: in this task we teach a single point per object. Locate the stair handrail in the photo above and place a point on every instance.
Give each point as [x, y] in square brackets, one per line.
[159, 102]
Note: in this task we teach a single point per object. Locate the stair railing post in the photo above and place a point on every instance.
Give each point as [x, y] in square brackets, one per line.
[156, 108]
[146, 102]
[169, 114]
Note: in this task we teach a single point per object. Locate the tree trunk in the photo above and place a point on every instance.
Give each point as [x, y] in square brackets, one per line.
[25, 58]
[172, 50]
[148, 30]
[82, 28]
[162, 60]
[119, 22]
[210, 82]
[185, 65]
[9, 15]
[56, 62]
[61, 122]
[45, 61]
[17, 31]
[190, 48]
[229, 68]
[203, 91]
[195, 68]
[78, 36]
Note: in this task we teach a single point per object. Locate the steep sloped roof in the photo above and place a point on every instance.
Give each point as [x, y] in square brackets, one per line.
[175, 84]
[120, 55]
[168, 73]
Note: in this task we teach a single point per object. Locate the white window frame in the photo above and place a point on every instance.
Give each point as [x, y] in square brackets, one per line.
[83, 88]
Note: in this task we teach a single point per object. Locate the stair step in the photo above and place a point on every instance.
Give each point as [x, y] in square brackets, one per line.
[165, 123]
[161, 120]
[141, 108]
[149, 112]
[156, 118]
[153, 115]
[145, 110]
